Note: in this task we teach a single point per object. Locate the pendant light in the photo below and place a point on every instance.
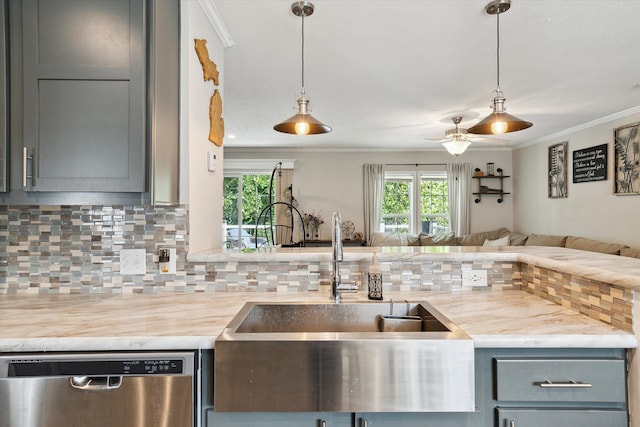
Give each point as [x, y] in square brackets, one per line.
[498, 121]
[302, 123]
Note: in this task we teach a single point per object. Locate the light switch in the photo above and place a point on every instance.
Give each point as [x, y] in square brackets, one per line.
[211, 161]
[133, 261]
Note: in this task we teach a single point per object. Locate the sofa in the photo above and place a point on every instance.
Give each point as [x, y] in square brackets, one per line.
[502, 237]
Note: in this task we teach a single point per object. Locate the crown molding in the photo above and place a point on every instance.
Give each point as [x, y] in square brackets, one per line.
[606, 119]
[213, 14]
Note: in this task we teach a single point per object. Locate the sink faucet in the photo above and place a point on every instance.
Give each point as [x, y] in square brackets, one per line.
[336, 242]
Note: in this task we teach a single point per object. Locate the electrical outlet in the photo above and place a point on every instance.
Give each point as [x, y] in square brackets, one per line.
[132, 261]
[474, 278]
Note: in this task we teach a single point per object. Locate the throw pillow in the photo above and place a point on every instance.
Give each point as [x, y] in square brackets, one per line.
[503, 241]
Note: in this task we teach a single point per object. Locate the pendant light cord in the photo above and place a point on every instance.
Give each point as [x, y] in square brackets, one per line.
[497, 49]
[303, 53]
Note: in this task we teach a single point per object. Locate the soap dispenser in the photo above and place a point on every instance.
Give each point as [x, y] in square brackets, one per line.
[375, 279]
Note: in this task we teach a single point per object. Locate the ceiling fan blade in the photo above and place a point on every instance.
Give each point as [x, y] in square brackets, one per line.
[474, 138]
[438, 140]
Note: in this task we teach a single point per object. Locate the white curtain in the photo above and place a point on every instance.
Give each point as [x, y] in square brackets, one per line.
[373, 192]
[459, 182]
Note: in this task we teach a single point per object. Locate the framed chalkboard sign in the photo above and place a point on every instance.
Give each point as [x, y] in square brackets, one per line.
[590, 164]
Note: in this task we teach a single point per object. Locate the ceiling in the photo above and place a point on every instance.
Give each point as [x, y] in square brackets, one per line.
[386, 74]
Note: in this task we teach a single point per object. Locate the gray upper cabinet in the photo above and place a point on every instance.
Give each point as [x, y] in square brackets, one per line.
[84, 95]
[3, 96]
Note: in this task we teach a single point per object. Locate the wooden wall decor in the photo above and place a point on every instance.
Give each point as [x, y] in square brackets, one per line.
[210, 72]
[209, 68]
[216, 130]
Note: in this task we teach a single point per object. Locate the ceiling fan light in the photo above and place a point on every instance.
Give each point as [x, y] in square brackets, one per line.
[456, 147]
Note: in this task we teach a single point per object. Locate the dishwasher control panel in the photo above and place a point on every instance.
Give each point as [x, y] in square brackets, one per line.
[95, 364]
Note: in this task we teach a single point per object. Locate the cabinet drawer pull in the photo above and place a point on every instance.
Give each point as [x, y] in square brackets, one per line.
[323, 423]
[364, 423]
[570, 384]
[512, 423]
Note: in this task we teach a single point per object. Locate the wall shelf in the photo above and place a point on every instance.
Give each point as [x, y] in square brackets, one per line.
[486, 190]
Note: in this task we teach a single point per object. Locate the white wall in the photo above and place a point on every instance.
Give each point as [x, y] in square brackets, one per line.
[200, 189]
[591, 209]
[332, 180]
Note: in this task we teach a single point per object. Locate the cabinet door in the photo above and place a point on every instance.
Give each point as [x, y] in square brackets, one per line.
[278, 419]
[413, 419]
[84, 94]
[3, 96]
[561, 417]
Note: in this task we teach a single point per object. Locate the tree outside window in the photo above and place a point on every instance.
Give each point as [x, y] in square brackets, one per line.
[244, 198]
[411, 208]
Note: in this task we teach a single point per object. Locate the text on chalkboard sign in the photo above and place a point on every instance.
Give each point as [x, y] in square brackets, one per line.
[590, 164]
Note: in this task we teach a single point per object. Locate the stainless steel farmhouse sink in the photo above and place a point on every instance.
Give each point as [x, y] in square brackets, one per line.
[348, 357]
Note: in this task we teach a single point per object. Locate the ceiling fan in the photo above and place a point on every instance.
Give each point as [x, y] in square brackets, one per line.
[457, 140]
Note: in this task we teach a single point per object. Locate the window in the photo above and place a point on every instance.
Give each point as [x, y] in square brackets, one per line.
[245, 196]
[415, 202]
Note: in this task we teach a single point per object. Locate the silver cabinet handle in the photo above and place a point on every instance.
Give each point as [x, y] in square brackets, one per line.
[364, 422]
[512, 423]
[570, 384]
[25, 160]
[95, 383]
[323, 423]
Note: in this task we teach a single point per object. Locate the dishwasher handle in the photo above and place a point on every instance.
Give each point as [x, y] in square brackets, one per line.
[95, 383]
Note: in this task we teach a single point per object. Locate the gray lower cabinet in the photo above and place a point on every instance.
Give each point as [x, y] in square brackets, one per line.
[514, 388]
[83, 94]
[290, 419]
[587, 389]
[528, 417]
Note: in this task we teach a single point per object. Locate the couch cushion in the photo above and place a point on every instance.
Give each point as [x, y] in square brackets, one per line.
[446, 239]
[503, 241]
[413, 239]
[380, 238]
[517, 239]
[630, 252]
[477, 239]
[593, 245]
[545, 240]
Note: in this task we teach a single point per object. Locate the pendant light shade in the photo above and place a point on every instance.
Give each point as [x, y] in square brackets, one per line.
[498, 121]
[302, 123]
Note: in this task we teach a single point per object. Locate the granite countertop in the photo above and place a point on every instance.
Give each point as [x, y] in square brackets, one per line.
[613, 269]
[89, 322]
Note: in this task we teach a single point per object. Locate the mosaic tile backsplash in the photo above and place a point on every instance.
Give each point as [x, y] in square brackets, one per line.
[76, 249]
[600, 301]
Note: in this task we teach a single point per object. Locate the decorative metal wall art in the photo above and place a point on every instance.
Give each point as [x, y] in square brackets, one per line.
[627, 160]
[558, 170]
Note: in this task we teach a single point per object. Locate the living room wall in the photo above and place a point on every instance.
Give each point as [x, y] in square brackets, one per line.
[591, 209]
[327, 181]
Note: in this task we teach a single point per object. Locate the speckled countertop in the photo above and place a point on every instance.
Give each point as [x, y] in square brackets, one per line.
[506, 318]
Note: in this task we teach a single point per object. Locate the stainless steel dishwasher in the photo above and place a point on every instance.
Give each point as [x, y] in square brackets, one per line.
[150, 389]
